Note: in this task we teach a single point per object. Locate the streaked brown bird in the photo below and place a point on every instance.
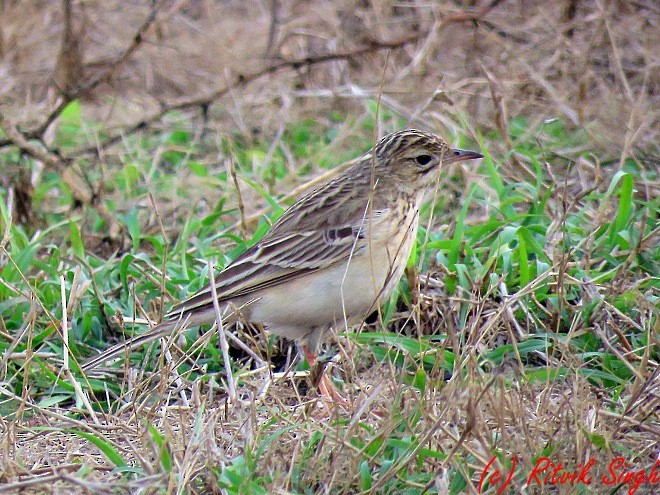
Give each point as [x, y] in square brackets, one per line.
[332, 257]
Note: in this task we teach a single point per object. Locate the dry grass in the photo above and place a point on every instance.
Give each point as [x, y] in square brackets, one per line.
[597, 68]
[276, 433]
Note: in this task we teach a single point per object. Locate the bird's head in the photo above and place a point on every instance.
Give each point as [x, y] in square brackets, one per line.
[415, 158]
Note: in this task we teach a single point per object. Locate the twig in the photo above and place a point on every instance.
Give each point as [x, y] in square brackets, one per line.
[104, 76]
[16, 138]
[501, 117]
[224, 347]
[80, 395]
[238, 81]
[272, 28]
[65, 327]
[616, 55]
[239, 196]
[175, 373]
[166, 245]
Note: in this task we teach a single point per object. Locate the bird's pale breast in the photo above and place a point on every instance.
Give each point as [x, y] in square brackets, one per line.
[343, 294]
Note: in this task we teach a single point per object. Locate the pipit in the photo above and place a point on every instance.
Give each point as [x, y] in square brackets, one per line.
[332, 257]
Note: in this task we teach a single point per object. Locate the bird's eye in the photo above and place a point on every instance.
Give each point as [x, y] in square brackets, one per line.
[423, 159]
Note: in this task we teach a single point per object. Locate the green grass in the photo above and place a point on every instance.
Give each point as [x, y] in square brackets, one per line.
[539, 275]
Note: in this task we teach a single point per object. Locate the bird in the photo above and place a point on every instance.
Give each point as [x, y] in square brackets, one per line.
[331, 258]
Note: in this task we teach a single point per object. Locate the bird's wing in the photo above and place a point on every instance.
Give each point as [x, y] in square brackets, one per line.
[278, 259]
[272, 261]
[321, 229]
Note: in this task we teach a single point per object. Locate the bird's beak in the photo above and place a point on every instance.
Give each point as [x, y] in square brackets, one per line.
[458, 155]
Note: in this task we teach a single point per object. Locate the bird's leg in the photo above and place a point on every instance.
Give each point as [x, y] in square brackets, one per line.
[329, 393]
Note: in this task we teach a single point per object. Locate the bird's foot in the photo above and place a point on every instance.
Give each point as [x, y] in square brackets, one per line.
[331, 397]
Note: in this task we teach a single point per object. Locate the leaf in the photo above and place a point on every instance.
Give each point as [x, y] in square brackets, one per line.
[419, 380]
[71, 114]
[163, 450]
[365, 476]
[523, 262]
[625, 203]
[460, 226]
[77, 243]
[262, 192]
[104, 446]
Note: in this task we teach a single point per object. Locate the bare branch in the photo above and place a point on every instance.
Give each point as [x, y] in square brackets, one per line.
[16, 138]
[104, 76]
[239, 81]
[209, 98]
[37, 150]
[294, 64]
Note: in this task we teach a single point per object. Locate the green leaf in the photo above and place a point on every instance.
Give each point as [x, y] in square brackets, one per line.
[163, 449]
[523, 262]
[460, 226]
[624, 209]
[104, 446]
[598, 440]
[365, 476]
[419, 381]
[53, 400]
[71, 114]
[271, 201]
[76, 240]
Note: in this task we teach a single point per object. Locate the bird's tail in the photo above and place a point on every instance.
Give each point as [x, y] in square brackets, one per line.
[161, 330]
